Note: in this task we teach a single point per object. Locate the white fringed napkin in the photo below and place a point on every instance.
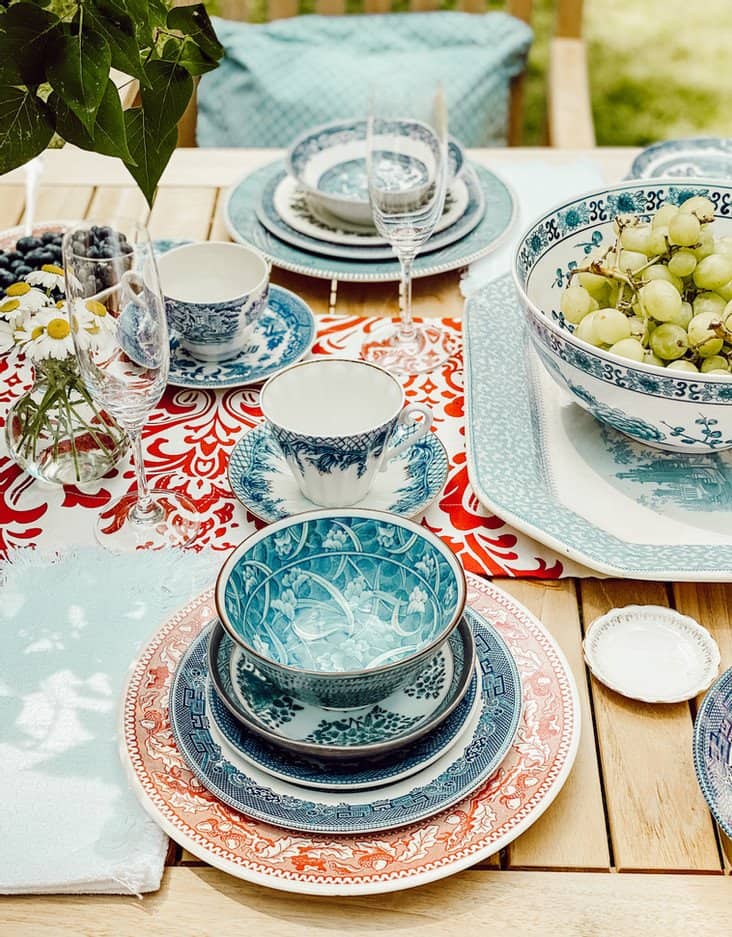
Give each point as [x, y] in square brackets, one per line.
[71, 628]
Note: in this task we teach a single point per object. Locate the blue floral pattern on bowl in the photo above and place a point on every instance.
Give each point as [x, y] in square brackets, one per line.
[340, 608]
[261, 480]
[458, 772]
[713, 750]
[653, 405]
[337, 737]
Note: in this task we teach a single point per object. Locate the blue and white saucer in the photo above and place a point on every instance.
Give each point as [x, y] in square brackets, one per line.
[713, 750]
[262, 481]
[458, 772]
[705, 157]
[283, 334]
[244, 745]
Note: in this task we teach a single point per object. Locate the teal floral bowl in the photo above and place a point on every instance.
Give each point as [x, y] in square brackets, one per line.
[340, 608]
[660, 407]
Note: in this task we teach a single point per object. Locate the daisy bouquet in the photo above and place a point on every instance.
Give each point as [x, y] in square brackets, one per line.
[55, 431]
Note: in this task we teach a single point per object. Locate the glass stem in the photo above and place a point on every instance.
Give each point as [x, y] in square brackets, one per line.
[144, 509]
[407, 328]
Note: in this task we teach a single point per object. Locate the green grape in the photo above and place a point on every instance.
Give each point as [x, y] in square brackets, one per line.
[637, 237]
[682, 365]
[726, 291]
[611, 325]
[718, 371]
[631, 260]
[661, 300]
[682, 264]
[684, 230]
[726, 318]
[685, 316]
[575, 302]
[661, 272]
[706, 245]
[664, 214]
[701, 206]
[658, 241]
[714, 363]
[723, 245]
[702, 333]
[650, 358]
[637, 327]
[669, 341]
[595, 285]
[713, 271]
[628, 348]
[708, 302]
[586, 330]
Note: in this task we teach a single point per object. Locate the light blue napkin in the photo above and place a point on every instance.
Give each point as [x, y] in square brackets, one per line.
[71, 629]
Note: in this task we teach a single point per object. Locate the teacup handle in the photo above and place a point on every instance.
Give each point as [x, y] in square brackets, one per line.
[418, 430]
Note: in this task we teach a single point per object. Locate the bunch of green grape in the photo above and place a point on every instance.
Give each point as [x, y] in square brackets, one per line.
[661, 294]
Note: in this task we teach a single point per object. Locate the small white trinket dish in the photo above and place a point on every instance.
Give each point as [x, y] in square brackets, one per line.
[651, 653]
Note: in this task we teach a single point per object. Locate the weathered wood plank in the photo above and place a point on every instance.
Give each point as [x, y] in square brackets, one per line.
[183, 213]
[113, 203]
[658, 818]
[572, 834]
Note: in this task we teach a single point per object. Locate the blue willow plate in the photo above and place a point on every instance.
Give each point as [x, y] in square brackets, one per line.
[308, 772]
[713, 750]
[451, 778]
[282, 335]
[550, 469]
[706, 157]
[273, 222]
[244, 226]
[261, 479]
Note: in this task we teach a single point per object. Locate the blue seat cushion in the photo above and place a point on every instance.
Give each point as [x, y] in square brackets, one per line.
[278, 79]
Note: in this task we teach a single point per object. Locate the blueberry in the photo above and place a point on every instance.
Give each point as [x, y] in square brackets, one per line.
[4, 262]
[46, 257]
[27, 244]
[6, 279]
[22, 270]
[92, 252]
[35, 257]
[49, 237]
[55, 251]
[14, 255]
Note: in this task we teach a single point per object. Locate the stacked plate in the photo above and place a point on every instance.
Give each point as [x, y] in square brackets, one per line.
[310, 213]
[344, 660]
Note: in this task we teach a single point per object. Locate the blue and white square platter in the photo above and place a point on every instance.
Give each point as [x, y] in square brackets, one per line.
[550, 469]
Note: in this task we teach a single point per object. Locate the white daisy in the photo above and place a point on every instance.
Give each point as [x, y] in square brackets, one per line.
[28, 298]
[91, 322]
[50, 277]
[50, 336]
[7, 335]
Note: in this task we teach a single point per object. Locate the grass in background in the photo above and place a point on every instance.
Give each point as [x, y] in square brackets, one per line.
[658, 68]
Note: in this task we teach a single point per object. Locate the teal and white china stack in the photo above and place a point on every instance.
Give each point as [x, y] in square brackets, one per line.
[343, 660]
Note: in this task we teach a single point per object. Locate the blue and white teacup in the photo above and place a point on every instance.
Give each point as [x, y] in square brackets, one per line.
[338, 421]
[214, 291]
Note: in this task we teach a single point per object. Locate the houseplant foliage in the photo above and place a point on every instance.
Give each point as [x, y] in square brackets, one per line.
[55, 61]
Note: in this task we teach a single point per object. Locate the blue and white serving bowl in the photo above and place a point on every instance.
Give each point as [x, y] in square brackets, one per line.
[713, 750]
[664, 408]
[341, 607]
[705, 157]
[329, 163]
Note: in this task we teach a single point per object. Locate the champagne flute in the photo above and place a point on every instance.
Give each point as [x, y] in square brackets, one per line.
[406, 160]
[120, 334]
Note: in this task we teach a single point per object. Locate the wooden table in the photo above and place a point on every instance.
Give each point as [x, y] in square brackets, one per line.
[600, 861]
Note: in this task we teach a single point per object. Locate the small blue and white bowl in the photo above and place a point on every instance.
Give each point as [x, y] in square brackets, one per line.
[660, 407]
[340, 608]
[329, 163]
[214, 292]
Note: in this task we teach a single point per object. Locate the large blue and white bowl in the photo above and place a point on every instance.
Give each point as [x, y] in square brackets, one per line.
[329, 163]
[340, 608]
[664, 408]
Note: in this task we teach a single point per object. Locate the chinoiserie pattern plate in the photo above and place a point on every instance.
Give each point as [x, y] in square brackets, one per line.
[244, 226]
[300, 720]
[283, 334]
[271, 217]
[547, 467]
[297, 210]
[706, 157]
[261, 479]
[713, 750]
[526, 783]
[452, 777]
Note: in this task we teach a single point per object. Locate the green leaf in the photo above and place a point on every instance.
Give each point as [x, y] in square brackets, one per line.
[150, 151]
[109, 134]
[187, 54]
[25, 33]
[111, 20]
[78, 71]
[193, 21]
[167, 97]
[26, 127]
